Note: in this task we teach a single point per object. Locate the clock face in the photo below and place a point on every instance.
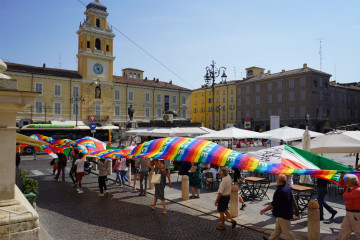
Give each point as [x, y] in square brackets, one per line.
[98, 68]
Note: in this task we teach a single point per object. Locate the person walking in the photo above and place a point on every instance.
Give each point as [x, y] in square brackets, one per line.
[160, 187]
[135, 168]
[102, 177]
[195, 180]
[290, 182]
[321, 192]
[123, 170]
[223, 198]
[80, 170]
[239, 180]
[282, 209]
[72, 173]
[144, 174]
[62, 165]
[351, 222]
[116, 168]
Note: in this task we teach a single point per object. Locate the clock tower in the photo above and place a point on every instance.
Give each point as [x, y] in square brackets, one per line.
[95, 47]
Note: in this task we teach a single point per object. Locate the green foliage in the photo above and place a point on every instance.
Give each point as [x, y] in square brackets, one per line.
[29, 184]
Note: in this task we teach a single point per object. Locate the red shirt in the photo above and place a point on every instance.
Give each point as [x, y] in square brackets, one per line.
[352, 198]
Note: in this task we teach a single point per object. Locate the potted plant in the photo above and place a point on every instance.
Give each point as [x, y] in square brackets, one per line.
[30, 187]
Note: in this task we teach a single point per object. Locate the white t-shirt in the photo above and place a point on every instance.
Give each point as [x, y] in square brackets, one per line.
[225, 186]
[123, 166]
[212, 170]
[80, 165]
[290, 180]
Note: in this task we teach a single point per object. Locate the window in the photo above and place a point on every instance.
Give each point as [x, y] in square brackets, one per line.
[257, 99]
[279, 84]
[209, 92]
[247, 113]
[174, 99]
[239, 101]
[209, 109]
[202, 101]
[75, 108]
[302, 111]
[247, 89]
[231, 99]
[98, 111]
[250, 72]
[223, 116]
[202, 93]
[224, 100]
[107, 48]
[38, 107]
[279, 97]
[217, 99]
[302, 94]
[257, 114]
[224, 92]
[147, 112]
[147, 97]
[166, 102]
[138, 75]
[158, 98]
[269, 112]
[315, 83]
[195, 110]
[195, 101]
[202, 118]
[88, 44]
[258, 88]
[320, 82]
[117, 111]
[97, 22]
[209, 100]
[202, 109]
[291, 83]
[130, 95]
[183, 113]
[269, 86]
[183, 100]
[247, 100]
[291, 96]
[130, 75]
[76, 90]
[39, 88]
[57, 108]
[195, 120]
[97, 44]
[291, 112]
[57, 90]
[232, 91]
[117, 95]
[159, 112]
[239, 114]
[279, 111]
[302, 82]
[231, 116]
[195, 94]
[269, 98]
[239, 90]
[231, 107]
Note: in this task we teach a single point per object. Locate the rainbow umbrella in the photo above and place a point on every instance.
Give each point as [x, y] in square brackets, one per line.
[111, 153]
[203, 151]
[88, 145]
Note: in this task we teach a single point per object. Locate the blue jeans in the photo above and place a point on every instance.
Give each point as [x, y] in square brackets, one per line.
[123, 177]
[62, 169]
[322, 191]
[118, 176]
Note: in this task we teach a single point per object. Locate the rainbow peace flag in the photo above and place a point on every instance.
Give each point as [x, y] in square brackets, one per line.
[110, 153]
[203, 151]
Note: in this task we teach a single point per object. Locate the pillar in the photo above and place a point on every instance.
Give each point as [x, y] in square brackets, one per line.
[109, 167]
[129, 173]
[185, 187]
[313, 220]
[94, 167]
[151, 185]
[234, 201]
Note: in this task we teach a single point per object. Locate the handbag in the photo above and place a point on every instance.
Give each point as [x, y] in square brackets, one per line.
[193, 169]
[155, 179]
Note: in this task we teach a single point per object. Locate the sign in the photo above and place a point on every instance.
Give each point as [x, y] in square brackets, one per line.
[93, 131]
[92, 126]
[49, 126]
[247, 123]
[92, 118]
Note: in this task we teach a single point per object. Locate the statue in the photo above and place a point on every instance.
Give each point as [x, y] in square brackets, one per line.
[97, 92]
[131, 111]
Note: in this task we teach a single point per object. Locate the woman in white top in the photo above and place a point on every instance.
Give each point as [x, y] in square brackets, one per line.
[123, 170]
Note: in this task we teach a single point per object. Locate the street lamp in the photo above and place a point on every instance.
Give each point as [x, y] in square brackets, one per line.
[213, 72]
[76, 100]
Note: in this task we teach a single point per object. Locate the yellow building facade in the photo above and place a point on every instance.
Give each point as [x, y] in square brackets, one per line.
[93, 89]
[225, 105]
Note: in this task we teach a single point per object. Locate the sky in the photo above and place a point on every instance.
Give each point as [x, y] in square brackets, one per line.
[187, 35]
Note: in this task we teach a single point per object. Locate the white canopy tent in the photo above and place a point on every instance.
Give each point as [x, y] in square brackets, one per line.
[288, 134]
[169, 132]
[233, 133]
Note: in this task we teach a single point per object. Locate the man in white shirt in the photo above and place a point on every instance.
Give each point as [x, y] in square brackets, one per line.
[223, 198]
[80, 170]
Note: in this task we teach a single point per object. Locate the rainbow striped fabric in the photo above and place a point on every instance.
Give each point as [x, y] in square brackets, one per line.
[111, 153]
[199, 150]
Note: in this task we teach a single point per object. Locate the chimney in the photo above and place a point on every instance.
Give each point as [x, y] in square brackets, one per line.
[44, 66]
[146, 79]
[283, 70]
[305, 65]
[170, 82]
[269, 72]
[154, 79]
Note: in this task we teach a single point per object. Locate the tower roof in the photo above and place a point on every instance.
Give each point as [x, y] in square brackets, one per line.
[96, 5]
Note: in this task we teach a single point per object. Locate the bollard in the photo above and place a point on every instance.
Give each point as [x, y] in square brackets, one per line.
[151, 185]
[185, 187]
[313, 220]
[234, 201]
[109, 167]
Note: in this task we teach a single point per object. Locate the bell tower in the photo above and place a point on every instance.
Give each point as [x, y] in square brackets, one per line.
[95, 46]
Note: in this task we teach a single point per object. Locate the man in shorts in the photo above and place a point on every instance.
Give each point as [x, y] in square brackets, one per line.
[80, 170]
[223, 198]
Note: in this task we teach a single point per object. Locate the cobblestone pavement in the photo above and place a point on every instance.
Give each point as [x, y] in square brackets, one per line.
[65, 214]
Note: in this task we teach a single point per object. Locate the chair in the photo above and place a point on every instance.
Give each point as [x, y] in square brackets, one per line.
[263, 188]
[209, 180]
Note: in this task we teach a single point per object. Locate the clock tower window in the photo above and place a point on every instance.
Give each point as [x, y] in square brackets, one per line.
[107, 48]
[88, 44]
[97, 44]
[97, 22]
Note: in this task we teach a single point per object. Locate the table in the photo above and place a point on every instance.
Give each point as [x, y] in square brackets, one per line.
[302, 195]
[255, 187]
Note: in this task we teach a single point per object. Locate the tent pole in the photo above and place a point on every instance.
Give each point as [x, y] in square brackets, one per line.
[357, 159]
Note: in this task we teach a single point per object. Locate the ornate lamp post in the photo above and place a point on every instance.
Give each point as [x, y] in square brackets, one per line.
[213, 72]
[76, 100]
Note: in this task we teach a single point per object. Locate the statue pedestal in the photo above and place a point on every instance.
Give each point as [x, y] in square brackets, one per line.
[133, 123]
